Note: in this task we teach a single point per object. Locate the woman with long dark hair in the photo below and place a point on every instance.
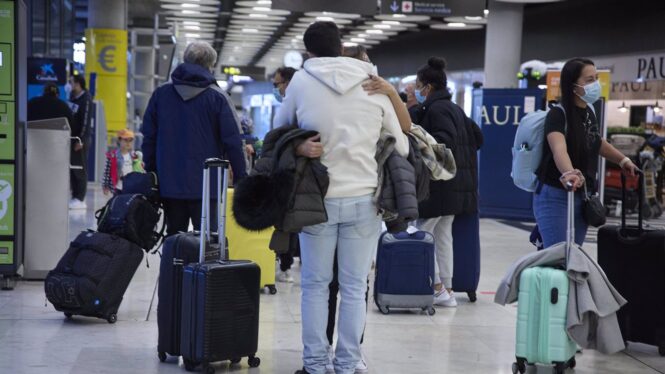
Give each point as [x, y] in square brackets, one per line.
[571, 153]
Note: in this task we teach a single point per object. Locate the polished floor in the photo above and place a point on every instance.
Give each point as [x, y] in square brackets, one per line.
[472, 339]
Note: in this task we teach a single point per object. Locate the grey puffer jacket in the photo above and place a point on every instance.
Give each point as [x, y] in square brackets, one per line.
[396, 195]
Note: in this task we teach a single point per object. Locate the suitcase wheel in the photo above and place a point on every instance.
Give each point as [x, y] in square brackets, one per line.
[68, 315]
[519, 366]
[559, 368]
[190, 365]
[113, 318]
[272, 289]
[254, 361]
[661, 349]
[235, 360]
[430, 310]
[472, 296]
[384, 310]
[162, 356]
[572, 363]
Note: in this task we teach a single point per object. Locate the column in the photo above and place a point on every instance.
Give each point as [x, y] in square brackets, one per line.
[503, 44]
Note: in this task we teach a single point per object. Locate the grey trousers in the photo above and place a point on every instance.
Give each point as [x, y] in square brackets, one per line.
[442, 230]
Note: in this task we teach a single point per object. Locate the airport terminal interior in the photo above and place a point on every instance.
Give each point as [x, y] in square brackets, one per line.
[111, 111]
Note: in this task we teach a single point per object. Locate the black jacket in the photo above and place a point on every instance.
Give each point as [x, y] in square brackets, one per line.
[82, 117]
[448, 124]
[48, 107]
[283, 190]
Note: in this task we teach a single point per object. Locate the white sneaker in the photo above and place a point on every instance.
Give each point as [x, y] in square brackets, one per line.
[77, 204]
[445, 298]
[285, 277]
[361, 366]
[330, 368]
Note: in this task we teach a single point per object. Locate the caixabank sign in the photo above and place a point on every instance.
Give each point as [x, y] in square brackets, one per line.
[498, 112]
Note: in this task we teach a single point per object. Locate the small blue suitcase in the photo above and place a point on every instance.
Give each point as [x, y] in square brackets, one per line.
[405, 272]
[466, 254]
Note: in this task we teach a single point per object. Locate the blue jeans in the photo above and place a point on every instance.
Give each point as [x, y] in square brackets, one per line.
[550, 207]
[353, 228]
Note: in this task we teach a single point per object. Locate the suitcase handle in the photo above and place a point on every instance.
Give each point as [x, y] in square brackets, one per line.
[222, 185]
[640, 188]
[570, 221]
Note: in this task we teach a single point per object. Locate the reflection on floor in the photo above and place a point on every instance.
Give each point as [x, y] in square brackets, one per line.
[473, 338]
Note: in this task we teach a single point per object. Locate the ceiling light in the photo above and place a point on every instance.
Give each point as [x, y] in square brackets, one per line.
[358, 40]
[374, 31]
[657, 108]
[187, 5]
[474, 18]
[363, 35]
[191, 12]
[192, 27]
[193, 35]
[391, 23]
[350, 44]
[326, 19]
[457, 24]
[264, 2]
[261, 9]
[399, 16]
[191, 22]
[486, 12]
[254, 15]
[623, 108]
[385, 27]
[250, 30]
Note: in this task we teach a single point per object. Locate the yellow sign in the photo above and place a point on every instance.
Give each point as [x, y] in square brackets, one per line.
[106, 56]
[554, 84]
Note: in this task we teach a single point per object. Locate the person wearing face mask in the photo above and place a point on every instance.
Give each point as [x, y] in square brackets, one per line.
[570, 154]
[280, 81]
[448, 124]
[82, 101]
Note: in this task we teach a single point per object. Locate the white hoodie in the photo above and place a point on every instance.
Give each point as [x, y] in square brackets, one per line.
[327, 96]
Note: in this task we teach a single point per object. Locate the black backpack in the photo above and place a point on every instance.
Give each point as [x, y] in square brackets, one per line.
[145, 184]
[132, 217]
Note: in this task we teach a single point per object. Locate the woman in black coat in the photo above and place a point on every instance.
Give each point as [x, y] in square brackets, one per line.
[448, 124]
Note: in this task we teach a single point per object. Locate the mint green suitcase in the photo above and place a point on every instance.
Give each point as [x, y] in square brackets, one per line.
[541, 315]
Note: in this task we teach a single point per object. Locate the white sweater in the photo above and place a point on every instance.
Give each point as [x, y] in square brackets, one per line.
[327, 96]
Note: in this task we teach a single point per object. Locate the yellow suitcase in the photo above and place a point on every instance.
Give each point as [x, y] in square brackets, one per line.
[251, 245]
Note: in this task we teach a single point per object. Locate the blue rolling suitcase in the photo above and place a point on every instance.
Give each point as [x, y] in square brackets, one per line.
[466, 254]
[405, 272]
[220, 299]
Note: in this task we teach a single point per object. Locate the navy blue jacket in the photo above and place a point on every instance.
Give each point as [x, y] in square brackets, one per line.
[185, 123]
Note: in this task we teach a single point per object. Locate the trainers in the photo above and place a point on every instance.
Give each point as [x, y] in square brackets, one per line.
[77, 204]
[330, 368]
[445, 298]
[302, 371]
[285, 277]
[361, 366]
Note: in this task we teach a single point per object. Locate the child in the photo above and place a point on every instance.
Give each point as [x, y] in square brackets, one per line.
[120, 162]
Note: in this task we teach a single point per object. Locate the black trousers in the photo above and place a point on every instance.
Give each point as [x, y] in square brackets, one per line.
[178, 213]
[286, 259]
[333, 287]
[79, 177]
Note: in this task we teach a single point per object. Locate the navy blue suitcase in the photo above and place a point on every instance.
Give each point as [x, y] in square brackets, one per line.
[405, 272]
[220, 299]
[466, 254]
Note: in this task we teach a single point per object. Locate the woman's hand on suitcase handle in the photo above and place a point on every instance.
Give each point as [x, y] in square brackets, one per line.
[572, 177]
[628, 167]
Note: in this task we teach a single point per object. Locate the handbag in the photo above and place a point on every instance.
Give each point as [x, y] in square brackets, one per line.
[593, 210]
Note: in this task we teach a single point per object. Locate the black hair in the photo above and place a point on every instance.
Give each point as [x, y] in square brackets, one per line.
[322, 39]
[51, 89]
[404, 97]
[286, 73]
[434, 73]
[356, 52]
[80, 79]
[575, 135]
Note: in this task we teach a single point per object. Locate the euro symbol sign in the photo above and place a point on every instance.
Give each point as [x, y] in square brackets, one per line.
[106, 58]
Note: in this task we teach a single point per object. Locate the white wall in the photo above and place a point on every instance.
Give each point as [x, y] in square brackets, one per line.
[617, 119]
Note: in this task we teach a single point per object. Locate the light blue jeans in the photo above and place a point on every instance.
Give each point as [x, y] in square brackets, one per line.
[550, 207]
[353, 228]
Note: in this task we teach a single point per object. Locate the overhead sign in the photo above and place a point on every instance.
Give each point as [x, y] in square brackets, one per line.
[634, 68]
[436, 8]
[45, 70]
[367, 7]
[255, 72]
[647, 90]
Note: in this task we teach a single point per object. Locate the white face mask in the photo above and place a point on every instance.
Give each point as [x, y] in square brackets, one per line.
[68, 89]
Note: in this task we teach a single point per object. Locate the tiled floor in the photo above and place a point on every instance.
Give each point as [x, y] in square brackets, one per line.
[474, 338]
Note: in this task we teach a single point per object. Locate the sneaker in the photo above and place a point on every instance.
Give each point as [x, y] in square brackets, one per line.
[302, 371]
[285, 277]
[77, 204]
[445, 298]
[330, 368]
[361, 366]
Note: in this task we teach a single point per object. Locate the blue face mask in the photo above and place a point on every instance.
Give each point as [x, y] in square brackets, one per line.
[419, 96]
[592, 92]
[277, 94]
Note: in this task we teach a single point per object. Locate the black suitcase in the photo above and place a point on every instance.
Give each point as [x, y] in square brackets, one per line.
[633, 257]
[93, 275]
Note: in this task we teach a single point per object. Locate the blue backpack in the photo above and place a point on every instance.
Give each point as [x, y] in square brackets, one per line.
[528, 148]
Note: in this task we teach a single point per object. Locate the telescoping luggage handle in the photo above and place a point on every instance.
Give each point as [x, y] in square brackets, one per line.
[640, 187]
[570, 221]
[222, 185]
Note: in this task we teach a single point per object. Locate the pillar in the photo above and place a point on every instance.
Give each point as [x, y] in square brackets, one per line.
[503, 44]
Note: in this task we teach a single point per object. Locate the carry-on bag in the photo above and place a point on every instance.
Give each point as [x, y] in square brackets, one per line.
[542, 311]
[145, 184]
[93, 275]
[466, 254]
[220, 300]
[633, 258]
[132, 217]
[405, 272]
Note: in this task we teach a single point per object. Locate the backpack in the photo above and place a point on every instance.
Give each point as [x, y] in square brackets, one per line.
[145, 184]
[131, 217]
[528, 148]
